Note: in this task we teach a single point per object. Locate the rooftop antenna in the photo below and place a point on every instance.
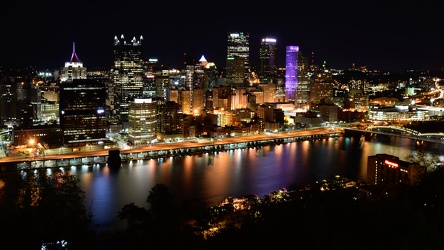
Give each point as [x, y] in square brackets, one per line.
[74, 55]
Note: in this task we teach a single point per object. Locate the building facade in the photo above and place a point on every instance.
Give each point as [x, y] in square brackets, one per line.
[291, 72]
[238, 45]
[321, 86]
[235, 72]
[82, 112]
[267, 56]
[302, 96]
[73, 68]
[170, 121]
[388, 170]
[142, 121]
[128, 76]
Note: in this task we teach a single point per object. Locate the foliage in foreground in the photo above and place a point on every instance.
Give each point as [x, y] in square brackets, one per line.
[342, 218]
[37, 208]
[43, 208]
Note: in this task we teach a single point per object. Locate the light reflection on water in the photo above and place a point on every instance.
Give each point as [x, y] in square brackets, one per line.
[211, 177]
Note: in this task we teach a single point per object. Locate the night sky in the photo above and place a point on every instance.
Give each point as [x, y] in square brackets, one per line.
[375, 34]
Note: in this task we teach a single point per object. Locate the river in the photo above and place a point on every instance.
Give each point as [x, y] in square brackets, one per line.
[211, 177]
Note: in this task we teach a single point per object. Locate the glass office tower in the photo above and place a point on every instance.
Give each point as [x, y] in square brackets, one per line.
[82, 112]
[128, 76]
[291, 71]
[238, 45]
[267, 55]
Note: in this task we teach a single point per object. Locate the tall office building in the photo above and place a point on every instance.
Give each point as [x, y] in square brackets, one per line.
[128, 76]
[8, 102]
[291, 72]
[235, 72]
[82, 112]
[302, 97]
[28, 104]
[73, 68]
[17, 94]
[321, 86]
[170, 122]
[186, 99]
[267, 55]
[142, 123]
[238, 45]
[160, 74]
[211, 74]
[104, 75]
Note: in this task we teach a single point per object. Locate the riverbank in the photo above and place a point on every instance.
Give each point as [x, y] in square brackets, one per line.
[99, 155]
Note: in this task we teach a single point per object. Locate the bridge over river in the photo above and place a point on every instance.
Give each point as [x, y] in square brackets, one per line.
[436, 137]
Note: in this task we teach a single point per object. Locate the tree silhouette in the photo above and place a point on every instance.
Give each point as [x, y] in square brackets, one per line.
[46, 209]
[425, 158]
[161, 202]
[159, 227]
[135, 216]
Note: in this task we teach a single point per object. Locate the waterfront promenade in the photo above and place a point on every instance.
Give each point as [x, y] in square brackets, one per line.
[64, 157]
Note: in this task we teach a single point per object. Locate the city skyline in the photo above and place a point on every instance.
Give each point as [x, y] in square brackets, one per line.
[381, 36]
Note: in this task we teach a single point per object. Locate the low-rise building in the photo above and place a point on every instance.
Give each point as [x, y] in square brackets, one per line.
[384, 169]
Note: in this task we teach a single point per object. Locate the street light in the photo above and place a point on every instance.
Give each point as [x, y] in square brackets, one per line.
[31, 148]
[31, 143]
[43, 146]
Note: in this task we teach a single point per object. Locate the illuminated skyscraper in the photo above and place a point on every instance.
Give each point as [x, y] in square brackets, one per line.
[128, 75]
[170, 122]
[142, 121]
[235, 72]
[322, 86]
[291, 71]
[302, 97]
[82, 112]
[238, 45]
[73, 69]
[267, 56]
[8, 100]
[17, 95]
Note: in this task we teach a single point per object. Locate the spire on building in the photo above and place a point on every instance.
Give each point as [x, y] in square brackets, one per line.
[73, 69]
[202, 59]
[74, 57]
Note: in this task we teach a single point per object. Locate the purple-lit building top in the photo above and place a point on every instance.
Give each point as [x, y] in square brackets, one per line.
[291, 71]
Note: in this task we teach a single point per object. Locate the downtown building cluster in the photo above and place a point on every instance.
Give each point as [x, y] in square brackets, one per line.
[148, 101]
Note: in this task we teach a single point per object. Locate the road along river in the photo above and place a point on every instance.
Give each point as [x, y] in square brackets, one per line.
[210, 177]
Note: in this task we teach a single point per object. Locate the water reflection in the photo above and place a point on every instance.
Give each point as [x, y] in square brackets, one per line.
[211, 177]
